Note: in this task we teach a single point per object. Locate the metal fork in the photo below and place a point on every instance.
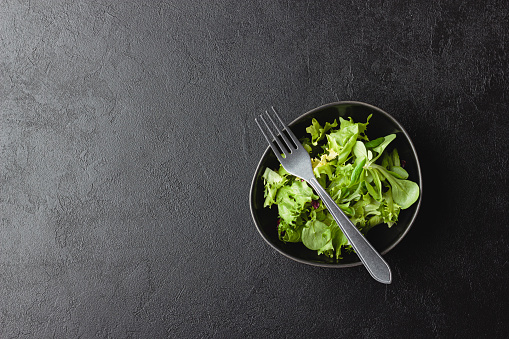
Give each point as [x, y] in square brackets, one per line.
[295, 160]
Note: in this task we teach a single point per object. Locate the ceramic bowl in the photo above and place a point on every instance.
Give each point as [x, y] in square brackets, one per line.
[381, 236]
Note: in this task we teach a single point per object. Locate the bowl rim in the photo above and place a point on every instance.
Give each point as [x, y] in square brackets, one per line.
[302, 116]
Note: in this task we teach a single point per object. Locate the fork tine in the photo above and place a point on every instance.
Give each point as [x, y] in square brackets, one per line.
[271, 144]
[284, 150]
[289, 145]
[289, 131]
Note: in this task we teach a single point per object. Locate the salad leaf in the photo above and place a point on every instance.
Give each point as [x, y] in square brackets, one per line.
[395, 158]
[322, 166]
[339, 240]
[390, 211]
[374, 143]
[365, 178]
[404, 192]
[292, 200]
[380, 148]
[316, 235]
[318, 132]
[273, 182]
[398, 172]
[357, 172]
[360, 151]
[288, 233]
[343, 140]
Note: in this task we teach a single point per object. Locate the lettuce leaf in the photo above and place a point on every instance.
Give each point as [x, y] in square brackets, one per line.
[273, 182]
[318, 132]
[367, 181]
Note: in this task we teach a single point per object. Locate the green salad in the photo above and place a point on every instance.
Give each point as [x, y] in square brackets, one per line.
[367, 181]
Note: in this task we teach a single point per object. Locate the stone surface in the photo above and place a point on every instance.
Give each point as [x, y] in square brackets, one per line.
[128, 143]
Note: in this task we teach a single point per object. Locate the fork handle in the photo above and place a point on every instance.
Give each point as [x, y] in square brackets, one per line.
[371, 259]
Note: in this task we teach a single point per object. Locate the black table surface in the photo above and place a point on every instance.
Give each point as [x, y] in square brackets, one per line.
[128, 145]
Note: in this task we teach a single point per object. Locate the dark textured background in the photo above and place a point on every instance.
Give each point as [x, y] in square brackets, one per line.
[128, 145]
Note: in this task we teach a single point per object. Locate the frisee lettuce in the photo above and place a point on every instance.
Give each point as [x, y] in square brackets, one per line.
[367, 182]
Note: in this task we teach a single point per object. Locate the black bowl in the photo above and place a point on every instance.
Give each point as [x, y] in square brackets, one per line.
[381, 237]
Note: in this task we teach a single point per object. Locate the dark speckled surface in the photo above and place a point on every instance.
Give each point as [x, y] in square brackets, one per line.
[128, 144]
